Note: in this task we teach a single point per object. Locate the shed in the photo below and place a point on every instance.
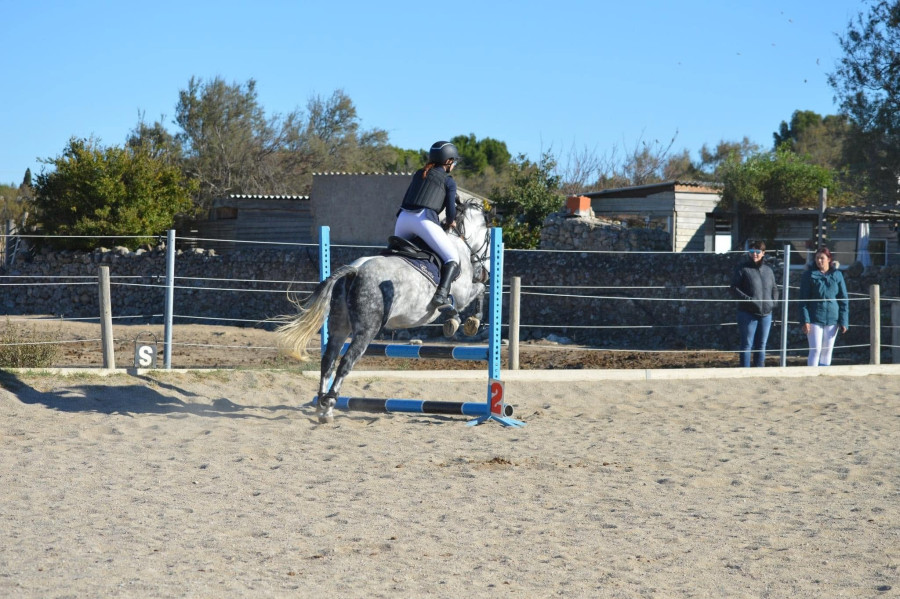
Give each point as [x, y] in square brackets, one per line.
[680, 207]
[256, 218]
[867, 234]
[359, 208]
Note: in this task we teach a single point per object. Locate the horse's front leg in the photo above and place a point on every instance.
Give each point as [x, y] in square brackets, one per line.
[472, 324]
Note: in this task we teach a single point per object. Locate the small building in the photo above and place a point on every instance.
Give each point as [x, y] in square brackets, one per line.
[866, 234]
[681, 208]
[359, 209]
[248, 218]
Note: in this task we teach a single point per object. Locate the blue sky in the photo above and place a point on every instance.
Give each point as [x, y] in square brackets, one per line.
[563, 75]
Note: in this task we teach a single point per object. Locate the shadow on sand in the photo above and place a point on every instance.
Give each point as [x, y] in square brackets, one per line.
[145, 396]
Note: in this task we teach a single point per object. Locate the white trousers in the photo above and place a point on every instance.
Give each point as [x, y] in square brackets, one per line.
[416, 222]
[821, 343]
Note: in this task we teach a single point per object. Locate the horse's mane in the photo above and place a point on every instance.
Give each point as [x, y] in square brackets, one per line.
[472, 205]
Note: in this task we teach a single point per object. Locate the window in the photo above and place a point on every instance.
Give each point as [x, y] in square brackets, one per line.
[223, 213]
[801, 251]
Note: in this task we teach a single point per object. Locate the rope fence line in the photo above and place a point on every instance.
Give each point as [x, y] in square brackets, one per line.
[81, 280]
[669, 299]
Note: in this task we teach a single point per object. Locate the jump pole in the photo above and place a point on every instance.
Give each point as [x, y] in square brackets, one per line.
[494, 407]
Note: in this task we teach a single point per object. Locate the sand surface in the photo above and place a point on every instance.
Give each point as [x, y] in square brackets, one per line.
[223, 484]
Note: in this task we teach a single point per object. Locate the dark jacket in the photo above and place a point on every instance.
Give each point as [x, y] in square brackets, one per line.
[816, 285]
[754, 283]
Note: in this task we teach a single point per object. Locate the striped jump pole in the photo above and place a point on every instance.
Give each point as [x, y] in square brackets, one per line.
[417, 406]
[476, 353]
[494, 406]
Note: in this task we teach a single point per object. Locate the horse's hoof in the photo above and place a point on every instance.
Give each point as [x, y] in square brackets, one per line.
[470, 328]
[450, 327]
[326, 418]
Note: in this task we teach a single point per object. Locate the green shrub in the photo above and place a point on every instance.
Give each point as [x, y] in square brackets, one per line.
[21, 347]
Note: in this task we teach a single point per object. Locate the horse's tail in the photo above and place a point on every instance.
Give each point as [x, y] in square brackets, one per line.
[295, 333]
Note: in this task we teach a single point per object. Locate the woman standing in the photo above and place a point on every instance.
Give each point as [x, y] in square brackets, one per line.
[754, 284]
[824, 307]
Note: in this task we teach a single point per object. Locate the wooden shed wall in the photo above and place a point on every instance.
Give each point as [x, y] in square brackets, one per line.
[690, 219]
[260, 219]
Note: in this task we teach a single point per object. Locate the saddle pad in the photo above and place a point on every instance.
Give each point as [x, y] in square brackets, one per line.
[428, 269]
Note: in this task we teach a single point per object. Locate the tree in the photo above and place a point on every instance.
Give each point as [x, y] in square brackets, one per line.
[108, 191]
[333, 139]
[405, 161]
[11, 206]
[771, 180]
[229, 145]
[478, 155]
[156, 141]
[521, 207]
[646, 162]
[867, 84]
[483, 163]
[821, 138]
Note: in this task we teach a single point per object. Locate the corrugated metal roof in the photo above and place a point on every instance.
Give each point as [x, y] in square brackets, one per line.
[379, 174]
[645, 190]
[257, 196]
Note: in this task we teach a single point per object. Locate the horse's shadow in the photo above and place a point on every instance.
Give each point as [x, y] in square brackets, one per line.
[146, 396]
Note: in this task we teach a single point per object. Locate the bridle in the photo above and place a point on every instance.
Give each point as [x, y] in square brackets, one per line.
[477, 256]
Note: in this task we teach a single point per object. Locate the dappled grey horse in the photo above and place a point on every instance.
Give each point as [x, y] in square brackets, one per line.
[377, 292]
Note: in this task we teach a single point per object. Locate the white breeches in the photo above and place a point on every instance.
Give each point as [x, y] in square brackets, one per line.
[411, 223]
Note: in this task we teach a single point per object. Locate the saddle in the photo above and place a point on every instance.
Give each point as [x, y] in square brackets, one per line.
[417, 254]
[416, 249]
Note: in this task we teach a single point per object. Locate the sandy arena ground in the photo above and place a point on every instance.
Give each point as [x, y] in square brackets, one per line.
[223, 484]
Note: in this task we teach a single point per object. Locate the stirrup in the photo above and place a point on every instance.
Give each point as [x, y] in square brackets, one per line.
[441, 304]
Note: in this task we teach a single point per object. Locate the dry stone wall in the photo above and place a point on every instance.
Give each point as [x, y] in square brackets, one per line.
[617, 299]
[562, 231]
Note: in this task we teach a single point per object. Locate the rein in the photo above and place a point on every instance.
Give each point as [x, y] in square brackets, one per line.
[478, 257]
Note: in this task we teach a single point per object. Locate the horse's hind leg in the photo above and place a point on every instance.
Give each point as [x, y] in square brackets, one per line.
[338, 331]
[326, 400]
[362, 337]
[364, 309]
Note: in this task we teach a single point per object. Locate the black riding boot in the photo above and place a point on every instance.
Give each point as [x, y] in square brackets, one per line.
[449, 271]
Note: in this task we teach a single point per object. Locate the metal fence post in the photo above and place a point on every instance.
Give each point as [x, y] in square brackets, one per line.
[170, 296]
[874, 324]
[786, 285]
[895, 332]
[324, 273]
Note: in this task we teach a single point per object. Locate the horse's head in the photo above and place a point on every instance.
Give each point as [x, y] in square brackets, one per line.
[470, 221]
[471, 226]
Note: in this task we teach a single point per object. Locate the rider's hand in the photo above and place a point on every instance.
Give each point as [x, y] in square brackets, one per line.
[449, 225]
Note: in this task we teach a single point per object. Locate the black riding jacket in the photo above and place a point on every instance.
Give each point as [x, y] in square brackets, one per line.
[436, 191]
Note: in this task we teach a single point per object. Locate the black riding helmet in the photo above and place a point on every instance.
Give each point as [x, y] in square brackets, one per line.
[442, 151]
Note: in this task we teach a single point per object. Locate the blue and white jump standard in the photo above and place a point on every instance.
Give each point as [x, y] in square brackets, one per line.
[493, 408]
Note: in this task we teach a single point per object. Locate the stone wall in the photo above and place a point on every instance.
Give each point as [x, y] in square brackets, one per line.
[562, 231]
[642, 300]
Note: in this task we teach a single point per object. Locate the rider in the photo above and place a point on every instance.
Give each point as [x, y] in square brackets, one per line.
[431, 190]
